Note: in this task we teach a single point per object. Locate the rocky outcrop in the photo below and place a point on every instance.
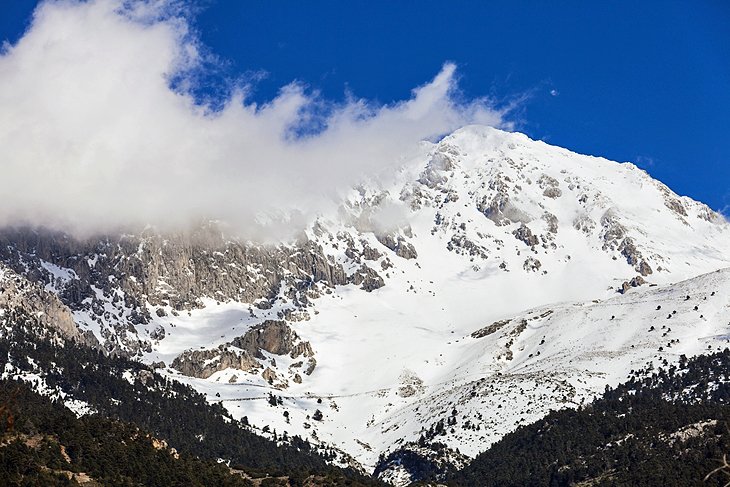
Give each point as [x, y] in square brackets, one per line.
[204, 363]
[158, 333]
[311, 364]
[398, 245]
[644, 268]
[441, 163]
[367, 279]
[627, 285]
[275, 337]
[550, 186]
[462, 245]
[551, 221]
[676, 206]
[524, 234]
[613, 231]
[672, 202]
[615, 238]
[585, 224]
[501, 211]
[245, 353]
[633, 256]
[269, 375]
[409, 384]
[301, 349]
[531, 264]
[552, 192]
[489, 329]
[498, 207]
[367, 253]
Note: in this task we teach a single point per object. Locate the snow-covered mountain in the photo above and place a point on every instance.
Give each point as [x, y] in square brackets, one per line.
[493, 279]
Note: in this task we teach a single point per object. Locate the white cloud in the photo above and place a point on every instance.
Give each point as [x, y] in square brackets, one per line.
[93, 139]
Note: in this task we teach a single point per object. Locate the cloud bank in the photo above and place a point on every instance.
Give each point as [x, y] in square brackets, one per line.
[94, 139]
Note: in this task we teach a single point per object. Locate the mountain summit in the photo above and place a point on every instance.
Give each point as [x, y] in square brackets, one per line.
[493, 279]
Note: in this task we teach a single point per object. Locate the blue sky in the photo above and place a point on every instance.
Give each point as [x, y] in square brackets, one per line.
[647, 82]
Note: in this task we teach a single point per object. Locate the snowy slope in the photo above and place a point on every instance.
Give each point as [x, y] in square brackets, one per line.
[394, 361]
[480, 228]
[383, 382]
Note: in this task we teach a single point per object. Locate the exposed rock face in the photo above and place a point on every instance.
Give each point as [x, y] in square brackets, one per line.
[673, 203]
[204, 363]
[369, 253]
[113, 281]
[552, 192]
[311, 364]
[176, 270]
[18, 292]
[406, 250]
[676, 206]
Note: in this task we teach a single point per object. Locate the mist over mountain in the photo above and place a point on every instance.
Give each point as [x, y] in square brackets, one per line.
[101, 133]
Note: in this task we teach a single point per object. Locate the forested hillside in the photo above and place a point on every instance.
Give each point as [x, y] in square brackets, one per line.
[664, 427]
[125, 405]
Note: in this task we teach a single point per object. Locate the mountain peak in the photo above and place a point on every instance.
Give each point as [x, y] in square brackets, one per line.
[370, 317]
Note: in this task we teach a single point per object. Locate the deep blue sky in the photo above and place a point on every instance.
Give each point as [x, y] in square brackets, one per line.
[646, 83]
